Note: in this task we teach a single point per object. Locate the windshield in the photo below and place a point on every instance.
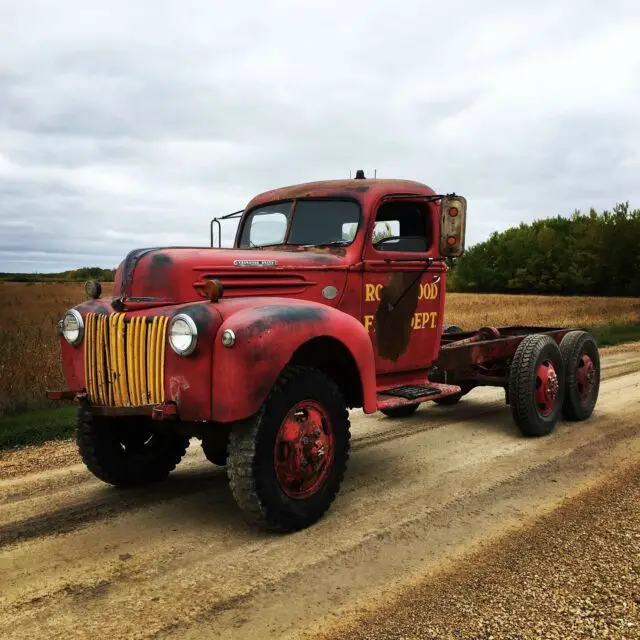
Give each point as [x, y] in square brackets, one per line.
[301, 222]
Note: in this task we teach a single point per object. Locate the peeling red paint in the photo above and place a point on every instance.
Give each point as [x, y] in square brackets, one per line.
[398, 303]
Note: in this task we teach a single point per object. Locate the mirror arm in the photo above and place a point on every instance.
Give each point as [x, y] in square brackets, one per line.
[219, 232]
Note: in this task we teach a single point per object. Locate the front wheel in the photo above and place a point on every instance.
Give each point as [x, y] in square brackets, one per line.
[128, 451]
[287, 462]
[536, 385]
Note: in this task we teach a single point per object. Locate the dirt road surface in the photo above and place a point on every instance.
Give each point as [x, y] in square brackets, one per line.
[81, 559]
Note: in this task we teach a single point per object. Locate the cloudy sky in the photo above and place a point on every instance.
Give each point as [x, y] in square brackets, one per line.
[128, 124]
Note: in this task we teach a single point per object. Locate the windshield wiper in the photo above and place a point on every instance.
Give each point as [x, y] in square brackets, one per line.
[325, 244]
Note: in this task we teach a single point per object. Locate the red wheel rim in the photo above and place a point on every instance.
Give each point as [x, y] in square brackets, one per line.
[547, 387]
[304, 449]
[586, 377]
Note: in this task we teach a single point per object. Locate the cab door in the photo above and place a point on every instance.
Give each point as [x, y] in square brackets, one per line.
[403, 284]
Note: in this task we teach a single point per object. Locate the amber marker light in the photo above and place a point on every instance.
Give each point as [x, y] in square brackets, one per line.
[213, 290]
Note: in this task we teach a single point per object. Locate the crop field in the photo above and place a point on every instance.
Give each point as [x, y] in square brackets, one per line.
[29, 352]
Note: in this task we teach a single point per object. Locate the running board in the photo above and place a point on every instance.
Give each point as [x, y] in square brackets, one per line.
[414, 394]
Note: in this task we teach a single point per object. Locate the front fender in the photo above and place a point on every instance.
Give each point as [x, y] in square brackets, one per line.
[266, 337]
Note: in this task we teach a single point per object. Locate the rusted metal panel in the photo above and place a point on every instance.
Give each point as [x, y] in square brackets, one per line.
[466, 353]
[267, 334]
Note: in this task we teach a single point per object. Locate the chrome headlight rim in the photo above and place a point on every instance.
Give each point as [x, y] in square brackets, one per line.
[77, 316]
[188, 320]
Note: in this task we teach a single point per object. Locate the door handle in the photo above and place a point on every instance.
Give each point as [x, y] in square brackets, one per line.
[436, 279]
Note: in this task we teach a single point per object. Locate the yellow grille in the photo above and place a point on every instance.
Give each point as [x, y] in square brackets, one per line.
[124, 361]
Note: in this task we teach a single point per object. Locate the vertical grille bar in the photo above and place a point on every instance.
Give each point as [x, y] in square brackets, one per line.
[103, 397]
[93, 362]
[130, 353]
[106, 332]
[162, 343]
[142, 361]
[113, 361]
[151, 351]
[122, 362]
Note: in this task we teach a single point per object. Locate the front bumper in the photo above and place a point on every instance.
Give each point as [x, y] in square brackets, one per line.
[161, 411]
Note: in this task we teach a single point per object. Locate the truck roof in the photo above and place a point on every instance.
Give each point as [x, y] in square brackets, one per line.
[352, 188]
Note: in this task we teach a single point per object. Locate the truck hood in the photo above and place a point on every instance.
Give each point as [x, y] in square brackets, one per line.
[157, 276]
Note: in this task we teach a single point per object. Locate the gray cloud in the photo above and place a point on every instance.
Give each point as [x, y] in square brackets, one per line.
[123, 125]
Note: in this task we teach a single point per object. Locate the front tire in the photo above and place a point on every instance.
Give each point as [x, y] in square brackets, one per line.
[127, 451]
[537, 385]
[287, 462]
[215, 445]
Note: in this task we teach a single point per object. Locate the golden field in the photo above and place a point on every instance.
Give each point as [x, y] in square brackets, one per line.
[29, 351]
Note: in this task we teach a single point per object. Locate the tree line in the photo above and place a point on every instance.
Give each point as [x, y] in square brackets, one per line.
[588, 254]
[74, 275]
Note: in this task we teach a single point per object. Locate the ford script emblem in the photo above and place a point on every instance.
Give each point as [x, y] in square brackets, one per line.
[255, 263]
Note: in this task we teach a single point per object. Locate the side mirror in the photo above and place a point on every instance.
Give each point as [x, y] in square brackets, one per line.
[453, 219]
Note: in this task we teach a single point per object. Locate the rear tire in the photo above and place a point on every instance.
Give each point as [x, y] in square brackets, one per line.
[582, 373]
[537, 385]
[287, 462]
[403, 411]
[451, 328]
[127, 451]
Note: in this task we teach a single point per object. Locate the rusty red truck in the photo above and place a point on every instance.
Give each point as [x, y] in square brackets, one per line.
[330, 299]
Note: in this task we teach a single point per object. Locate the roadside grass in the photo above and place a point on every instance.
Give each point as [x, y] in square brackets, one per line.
[35, 427]
[611, 335]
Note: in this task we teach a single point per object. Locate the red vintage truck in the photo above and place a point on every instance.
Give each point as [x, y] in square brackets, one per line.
[330, 299]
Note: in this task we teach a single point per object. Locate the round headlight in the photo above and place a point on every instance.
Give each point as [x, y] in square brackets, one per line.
[72, 327]
[183, 334]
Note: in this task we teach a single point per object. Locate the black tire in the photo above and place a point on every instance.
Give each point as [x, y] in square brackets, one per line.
[251, 463]
[530, 355]
[451, 328]
[454, 398]
[215, 445]
[578, 401]
[448, 401]
[403, 411]
[127, 451]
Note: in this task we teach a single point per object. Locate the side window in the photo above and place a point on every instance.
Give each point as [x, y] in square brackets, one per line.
[385, 229]
[268, 228]
[402, 226]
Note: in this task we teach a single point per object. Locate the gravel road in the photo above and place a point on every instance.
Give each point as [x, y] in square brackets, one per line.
[425, 500]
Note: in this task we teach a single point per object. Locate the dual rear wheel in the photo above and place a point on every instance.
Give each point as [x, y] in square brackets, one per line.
[547, 381]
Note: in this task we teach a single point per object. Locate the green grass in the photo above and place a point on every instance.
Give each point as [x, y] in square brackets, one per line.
[616, 334]
[34, 427]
